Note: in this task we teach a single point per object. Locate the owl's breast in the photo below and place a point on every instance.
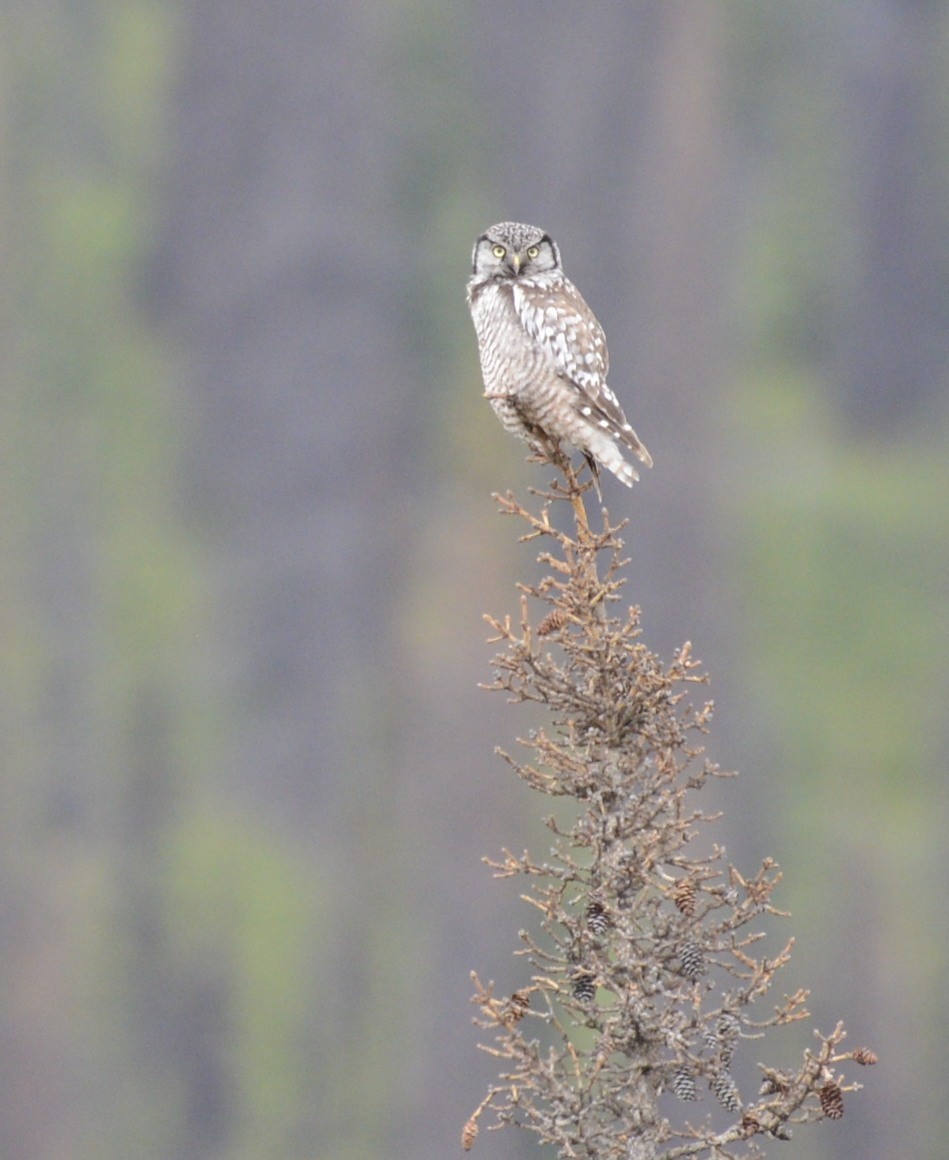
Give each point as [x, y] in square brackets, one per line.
[512, 362]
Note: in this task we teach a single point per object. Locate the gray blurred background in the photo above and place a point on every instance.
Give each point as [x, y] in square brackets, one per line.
[246, 534]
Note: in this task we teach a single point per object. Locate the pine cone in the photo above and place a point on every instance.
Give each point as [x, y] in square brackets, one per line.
[683, 1083]
[552, 622]
[864, 1056]
[831, 1101]
[518, 1003]
[684, 896]
[728, 1026]
[724, 1089]
[692, 961]
[597, 919]
[469, 1133]
[584, 986]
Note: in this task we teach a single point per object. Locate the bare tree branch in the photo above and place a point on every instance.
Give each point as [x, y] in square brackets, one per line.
[647, 968]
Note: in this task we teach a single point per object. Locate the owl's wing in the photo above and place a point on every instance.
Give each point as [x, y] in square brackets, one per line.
[559, 319]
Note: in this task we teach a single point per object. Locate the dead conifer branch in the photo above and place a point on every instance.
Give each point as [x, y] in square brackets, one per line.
[647, 974]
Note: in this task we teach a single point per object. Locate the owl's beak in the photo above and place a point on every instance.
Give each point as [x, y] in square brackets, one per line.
[516, 263]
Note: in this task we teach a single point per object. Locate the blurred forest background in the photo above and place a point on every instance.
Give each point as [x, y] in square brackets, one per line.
[247, 534]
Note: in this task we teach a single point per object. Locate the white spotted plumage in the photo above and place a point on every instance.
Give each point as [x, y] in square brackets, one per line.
[544, 358]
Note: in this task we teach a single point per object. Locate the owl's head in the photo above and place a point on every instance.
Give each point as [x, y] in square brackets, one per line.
[512, 250]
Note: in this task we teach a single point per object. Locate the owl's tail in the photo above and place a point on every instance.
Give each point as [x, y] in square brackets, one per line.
[624, 471]
[635, 444]
[608, 454]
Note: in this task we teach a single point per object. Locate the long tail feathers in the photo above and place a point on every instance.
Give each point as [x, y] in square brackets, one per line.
[638, 448]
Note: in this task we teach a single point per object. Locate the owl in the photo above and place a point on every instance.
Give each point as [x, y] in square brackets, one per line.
[543, 353]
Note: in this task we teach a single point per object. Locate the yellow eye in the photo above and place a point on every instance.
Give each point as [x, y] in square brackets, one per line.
[533, 251]
[498, 251]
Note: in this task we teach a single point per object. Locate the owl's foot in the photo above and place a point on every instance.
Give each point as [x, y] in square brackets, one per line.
[595, 473]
